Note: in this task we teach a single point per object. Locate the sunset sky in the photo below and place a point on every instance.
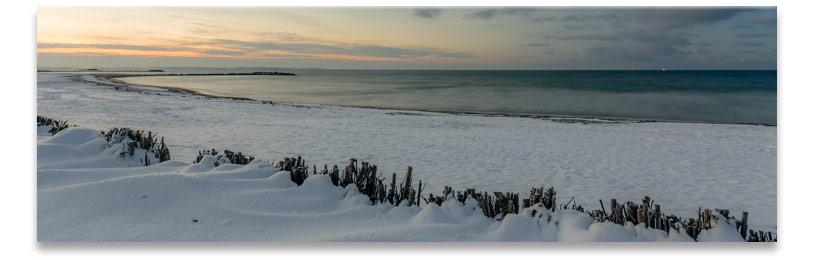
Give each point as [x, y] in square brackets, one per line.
[408, 38]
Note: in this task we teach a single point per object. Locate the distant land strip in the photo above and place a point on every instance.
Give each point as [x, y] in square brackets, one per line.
[263, 73]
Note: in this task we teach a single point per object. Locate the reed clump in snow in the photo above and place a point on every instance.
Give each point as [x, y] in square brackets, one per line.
[365, 178]
[131, 140]
[499, 204]
[226, 157]
[55, 125]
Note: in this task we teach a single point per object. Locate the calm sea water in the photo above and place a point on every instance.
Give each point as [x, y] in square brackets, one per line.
[707, 96]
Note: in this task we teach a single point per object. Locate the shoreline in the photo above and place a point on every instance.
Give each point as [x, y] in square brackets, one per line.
[115, 79]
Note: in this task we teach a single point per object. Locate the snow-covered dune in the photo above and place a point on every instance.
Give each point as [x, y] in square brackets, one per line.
[682, 166]
[175, 201]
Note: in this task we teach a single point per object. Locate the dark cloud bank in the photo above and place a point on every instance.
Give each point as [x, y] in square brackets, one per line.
[646, 36]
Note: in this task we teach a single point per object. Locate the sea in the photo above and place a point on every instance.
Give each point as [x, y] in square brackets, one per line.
[710, 96]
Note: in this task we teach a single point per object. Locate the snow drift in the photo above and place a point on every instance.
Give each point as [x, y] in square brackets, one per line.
[88, 191]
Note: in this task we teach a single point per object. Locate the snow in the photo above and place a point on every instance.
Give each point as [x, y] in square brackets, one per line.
[86, 192]
[174, 201]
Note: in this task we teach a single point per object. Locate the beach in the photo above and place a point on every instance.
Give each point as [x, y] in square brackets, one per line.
[683, 166]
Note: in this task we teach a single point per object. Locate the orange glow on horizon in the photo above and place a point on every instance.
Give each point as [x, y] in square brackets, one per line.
[119, 52]
[196, 54]
[237, 33]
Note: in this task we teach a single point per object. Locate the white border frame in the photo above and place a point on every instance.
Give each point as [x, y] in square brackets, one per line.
[794, 154]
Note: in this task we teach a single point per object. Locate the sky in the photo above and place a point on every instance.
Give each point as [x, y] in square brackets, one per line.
[408, 38]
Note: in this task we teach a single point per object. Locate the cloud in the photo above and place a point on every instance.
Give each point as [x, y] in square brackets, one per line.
[759, 18]
[544, 44]
[609, 17]
[634, 52]
[609, 37]
[347, 49]
[642, 35]
[749, 44]
[223, 52]
[589, 37]
[519, 11]
[639, 45]
[575, 18]
[680, 18]
[543, 19]
[490, 13]
[245, 49]
[108, 47]
[573, 27]
[766, 20]
[754, 35]
[702, 50]
[658, 18]
[427, 13]
[485, 14]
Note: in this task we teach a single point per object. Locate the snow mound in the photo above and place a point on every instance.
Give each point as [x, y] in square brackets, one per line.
[78, 147]
[88, 193]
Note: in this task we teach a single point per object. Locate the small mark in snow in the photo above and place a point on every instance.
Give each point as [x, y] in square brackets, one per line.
[194, 221]
[143, 196]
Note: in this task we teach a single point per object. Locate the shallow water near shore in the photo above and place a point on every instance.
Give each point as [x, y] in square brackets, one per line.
[699, 96]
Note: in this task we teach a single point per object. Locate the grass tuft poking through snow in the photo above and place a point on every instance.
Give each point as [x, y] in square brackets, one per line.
[222, 158]
[51, 126]
[131, 140]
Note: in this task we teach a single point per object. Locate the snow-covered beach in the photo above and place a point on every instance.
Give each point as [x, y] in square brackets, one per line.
[680, 165]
